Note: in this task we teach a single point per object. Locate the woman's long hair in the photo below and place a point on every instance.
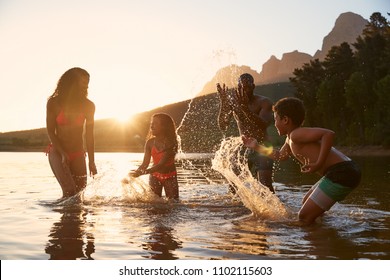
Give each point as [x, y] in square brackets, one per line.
[169, 130]
[68, 90]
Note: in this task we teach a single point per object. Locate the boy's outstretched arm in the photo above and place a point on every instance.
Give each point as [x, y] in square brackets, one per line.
[270, 152]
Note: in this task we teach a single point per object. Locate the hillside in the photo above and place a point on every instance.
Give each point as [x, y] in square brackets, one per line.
[198, 130]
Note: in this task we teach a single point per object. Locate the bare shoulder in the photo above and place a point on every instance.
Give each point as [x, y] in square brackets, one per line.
[52, 103]
[263, 100]
[149, 143]
[88, 102]
[308, 134]
[90, 105]
[299, 130]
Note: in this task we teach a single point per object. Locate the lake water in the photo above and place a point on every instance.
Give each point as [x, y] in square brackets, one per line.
[112, 220]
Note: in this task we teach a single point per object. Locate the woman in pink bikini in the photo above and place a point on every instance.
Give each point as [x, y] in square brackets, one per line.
[162, 147]
[69, 113]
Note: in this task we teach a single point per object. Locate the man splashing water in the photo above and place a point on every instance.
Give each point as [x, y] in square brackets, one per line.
[253, 114]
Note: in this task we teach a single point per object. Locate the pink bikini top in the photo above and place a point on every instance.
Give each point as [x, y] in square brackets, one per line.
[62, 120]
[158, 155]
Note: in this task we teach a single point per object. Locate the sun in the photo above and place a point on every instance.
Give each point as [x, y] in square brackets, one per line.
[122, 118]
[120, 112]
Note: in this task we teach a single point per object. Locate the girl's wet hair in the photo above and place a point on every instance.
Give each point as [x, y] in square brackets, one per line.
[292, 108]
[66, 84]
[169, 128]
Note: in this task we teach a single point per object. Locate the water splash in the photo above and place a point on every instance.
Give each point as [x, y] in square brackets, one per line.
[202, 114]
[137, 190]
[110, 187]
[65, 201]
[181, 155]
[232, 164]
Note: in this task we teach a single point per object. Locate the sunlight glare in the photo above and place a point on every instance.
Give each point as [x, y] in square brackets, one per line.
[122, 117]
[133, 97]
[265, 150]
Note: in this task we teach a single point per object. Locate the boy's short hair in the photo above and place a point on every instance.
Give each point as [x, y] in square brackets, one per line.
[292, 108]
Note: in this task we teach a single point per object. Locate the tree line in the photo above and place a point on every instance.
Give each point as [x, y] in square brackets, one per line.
[349, 91]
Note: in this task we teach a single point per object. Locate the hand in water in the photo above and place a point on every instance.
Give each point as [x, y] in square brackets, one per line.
[136, 173]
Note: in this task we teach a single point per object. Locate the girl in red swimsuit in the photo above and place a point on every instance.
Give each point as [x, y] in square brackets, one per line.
[68, 114]
[162, 147]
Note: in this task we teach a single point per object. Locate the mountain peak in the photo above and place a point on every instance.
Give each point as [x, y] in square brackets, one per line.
[229, 76]
[348, 26]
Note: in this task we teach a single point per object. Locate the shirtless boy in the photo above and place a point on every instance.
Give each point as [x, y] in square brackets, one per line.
[313, 148]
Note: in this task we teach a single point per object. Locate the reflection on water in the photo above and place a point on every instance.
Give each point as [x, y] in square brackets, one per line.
[120, 220]
[248, 236]
[210, 223]
[70, 238]
[161, 241]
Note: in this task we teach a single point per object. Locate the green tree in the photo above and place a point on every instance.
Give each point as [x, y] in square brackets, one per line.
[307, 81]
[349, 91]
[372, 50]
[356, 95]
[338, 66]
[382, 90]
[373, 61]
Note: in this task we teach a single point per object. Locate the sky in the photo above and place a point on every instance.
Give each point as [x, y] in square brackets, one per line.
[145, 54]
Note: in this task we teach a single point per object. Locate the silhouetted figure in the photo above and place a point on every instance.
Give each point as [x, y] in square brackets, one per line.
[70, 115]
[313, 148]
[69, 238]
[162, 147]
[253, 114]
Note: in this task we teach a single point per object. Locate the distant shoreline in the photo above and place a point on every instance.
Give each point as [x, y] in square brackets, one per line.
[365, 151]
[349, 151]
